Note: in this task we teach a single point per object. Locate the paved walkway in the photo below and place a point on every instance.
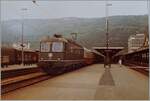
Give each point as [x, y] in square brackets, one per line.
[13, 67]
[89, 83]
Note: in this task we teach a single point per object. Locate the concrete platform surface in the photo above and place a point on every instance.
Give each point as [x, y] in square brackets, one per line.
[14, 67]
[90, 83]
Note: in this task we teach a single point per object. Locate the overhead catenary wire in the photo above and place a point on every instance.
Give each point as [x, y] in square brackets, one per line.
[38, 5]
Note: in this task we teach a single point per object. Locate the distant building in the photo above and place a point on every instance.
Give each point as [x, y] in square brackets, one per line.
[18, 45]
[135, 42]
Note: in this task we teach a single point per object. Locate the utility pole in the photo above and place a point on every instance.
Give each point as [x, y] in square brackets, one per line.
[107, 23]
[147, 28]
[22, 35]
[107, 58]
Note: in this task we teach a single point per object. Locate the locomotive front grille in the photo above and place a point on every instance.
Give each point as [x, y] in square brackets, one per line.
[51, 56]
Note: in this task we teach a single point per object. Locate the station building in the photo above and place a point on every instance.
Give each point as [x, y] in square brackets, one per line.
[135, 42]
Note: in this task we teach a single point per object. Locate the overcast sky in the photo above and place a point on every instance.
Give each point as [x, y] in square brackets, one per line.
[58, 9]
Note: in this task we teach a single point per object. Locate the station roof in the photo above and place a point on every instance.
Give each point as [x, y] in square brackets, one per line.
[18, 49]
[125, 51]
[112, 50]
[98, 53]
[108, 47]
[138, 50]
[26, 50]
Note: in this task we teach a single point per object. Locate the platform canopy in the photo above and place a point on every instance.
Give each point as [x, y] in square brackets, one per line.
[108, 48]
[112, 50]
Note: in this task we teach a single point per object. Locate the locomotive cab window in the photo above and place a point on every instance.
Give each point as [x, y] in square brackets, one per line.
[45, 47]
[57, 47]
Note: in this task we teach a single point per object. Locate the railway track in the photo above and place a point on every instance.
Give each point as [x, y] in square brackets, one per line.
[14, 83]
[13, 72]
[11, 81]
[143, 70]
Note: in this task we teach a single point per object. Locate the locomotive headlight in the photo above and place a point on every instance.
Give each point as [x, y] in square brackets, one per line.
[58, 58]
[50, 55]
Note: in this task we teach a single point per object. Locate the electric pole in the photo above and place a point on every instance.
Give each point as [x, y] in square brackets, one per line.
[22, 39]
[107, 58]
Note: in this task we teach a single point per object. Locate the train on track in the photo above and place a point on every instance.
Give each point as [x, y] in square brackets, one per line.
[58, 55]
[12, 56]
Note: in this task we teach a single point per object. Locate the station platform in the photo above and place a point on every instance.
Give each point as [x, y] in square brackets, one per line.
[14, 67]
[89, 83]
